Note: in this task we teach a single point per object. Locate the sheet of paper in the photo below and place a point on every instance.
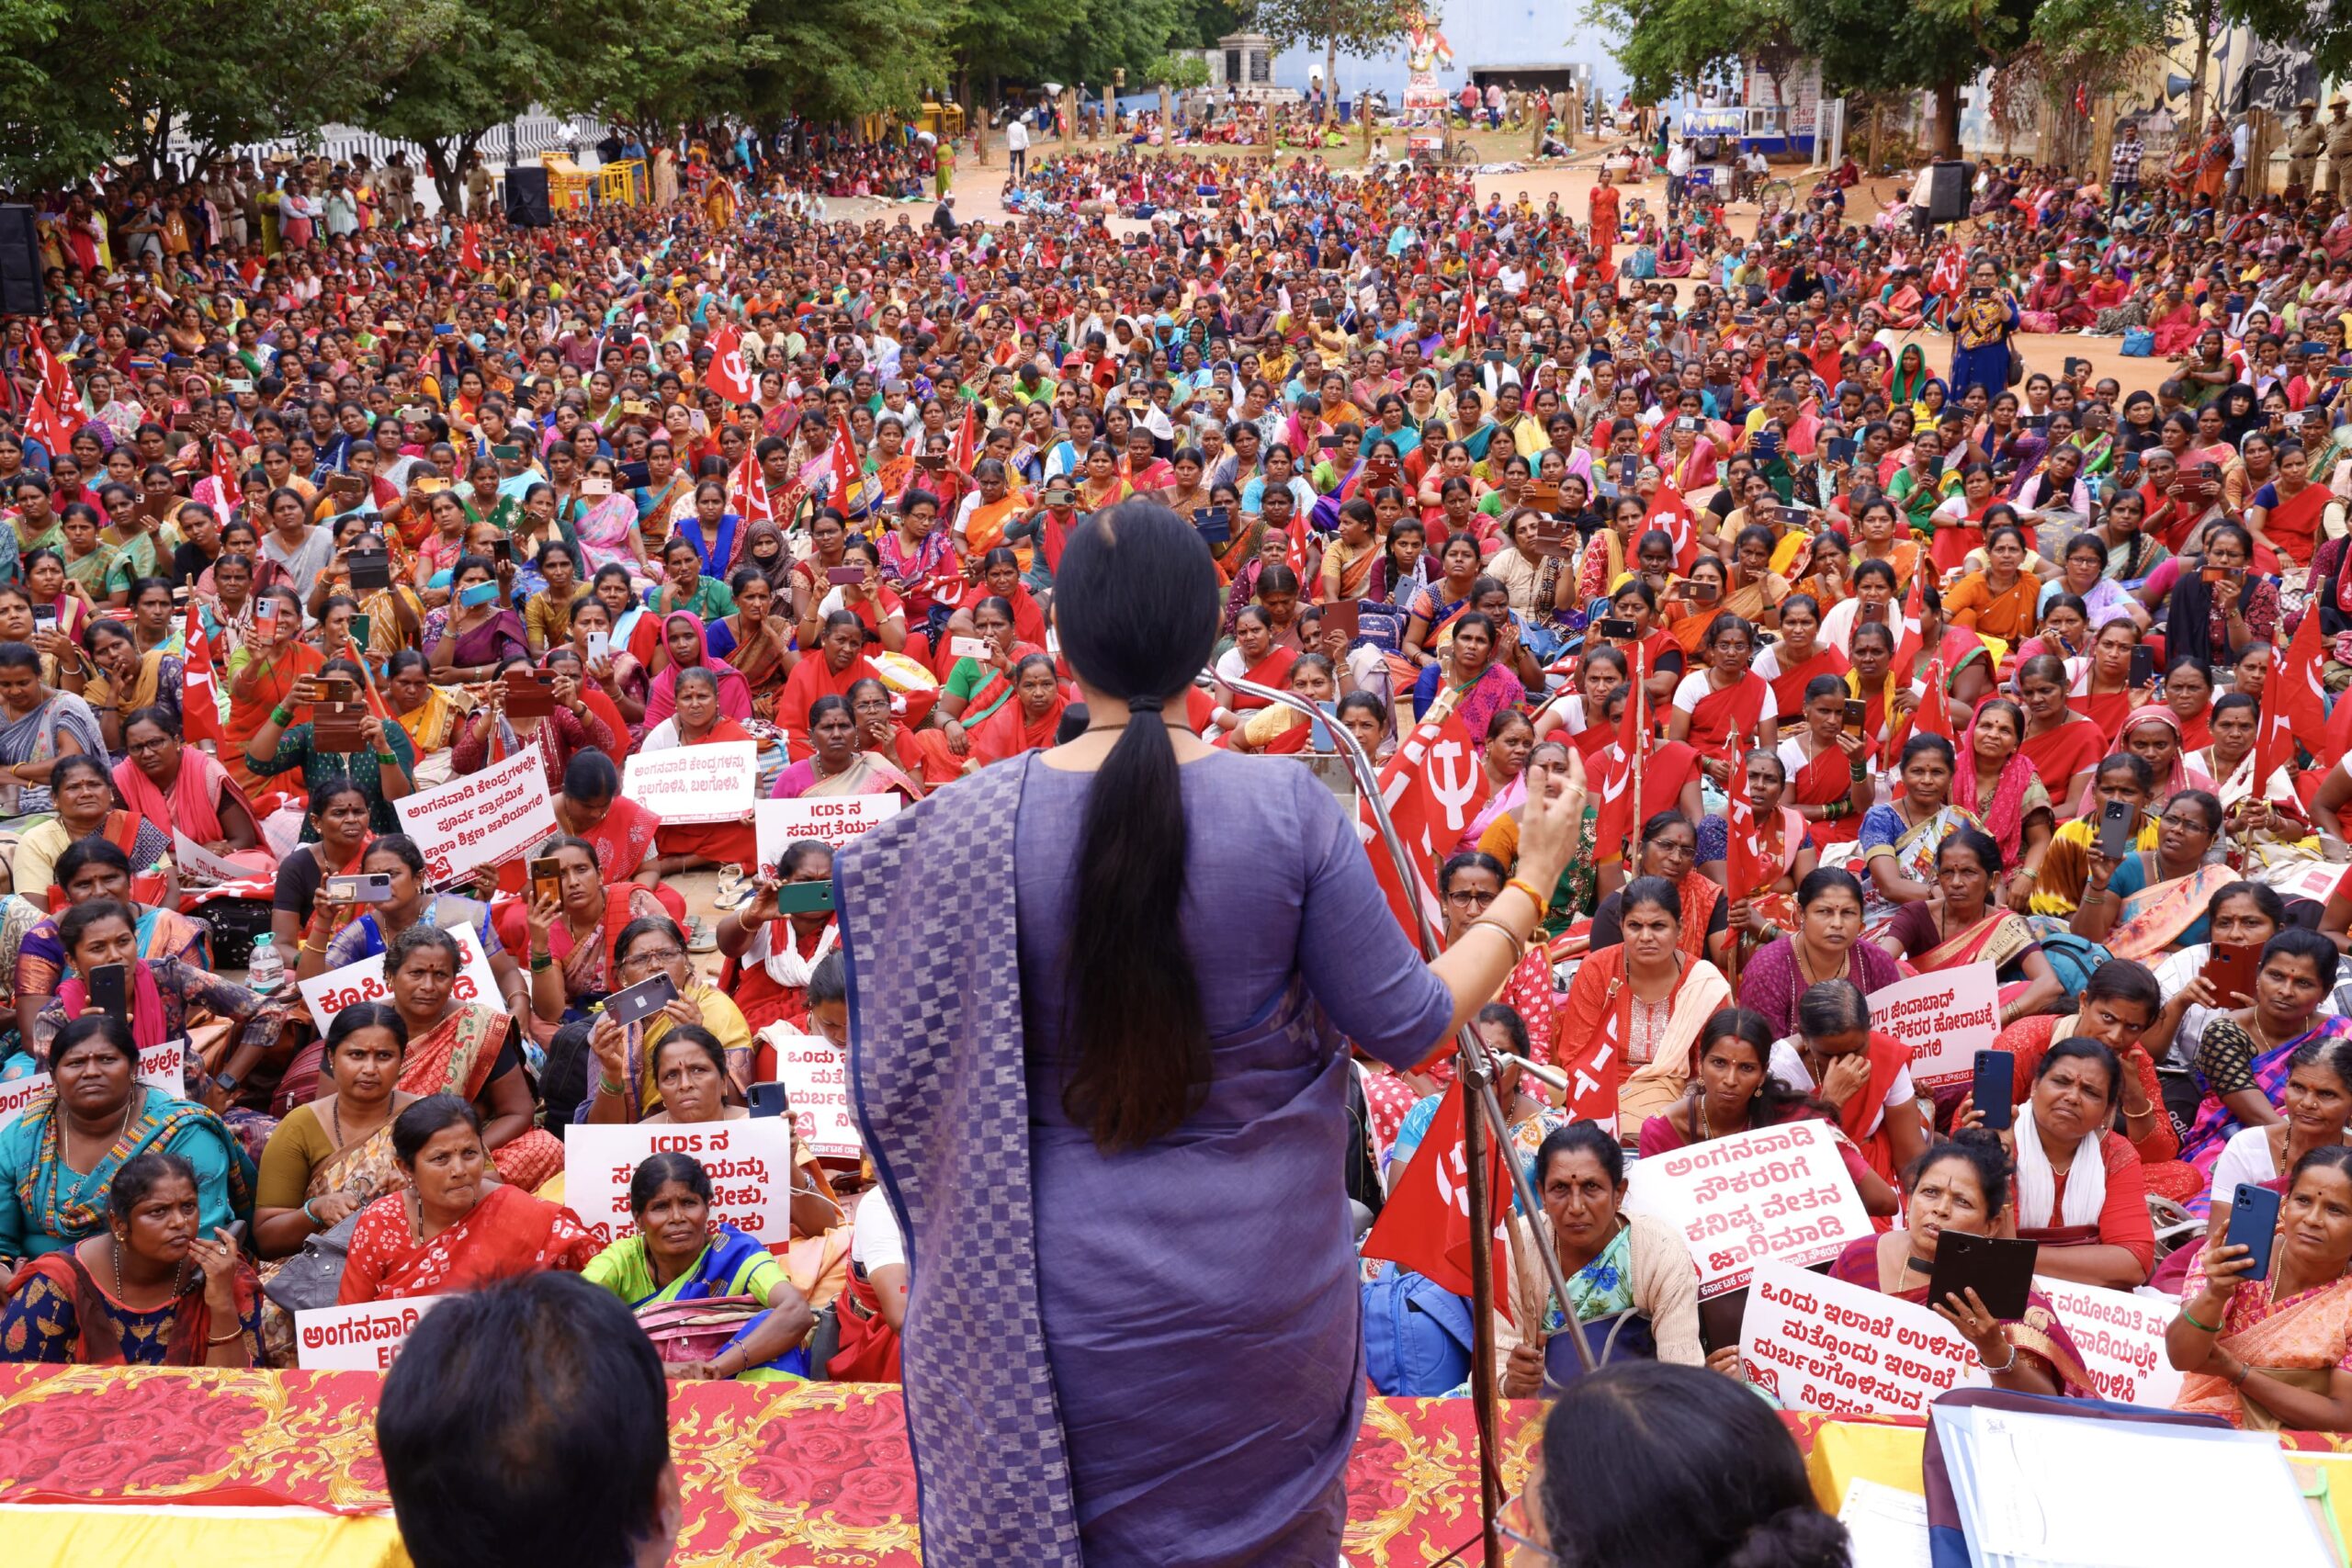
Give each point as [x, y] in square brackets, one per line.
[1887, 1527]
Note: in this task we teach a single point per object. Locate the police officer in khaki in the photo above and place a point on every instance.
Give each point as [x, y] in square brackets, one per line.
[2339, 147]
[2305, 139]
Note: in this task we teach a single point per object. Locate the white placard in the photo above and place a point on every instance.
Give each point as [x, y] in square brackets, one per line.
[1814, 1342]
[833, 820]
[362, 1338]
[484, 818]
[2317, 883]
[2121, 1338]
[1945, 1018]
[815, 1075]
[362, 980]
[750, 1164]
[696, 784]
[163, 1067]
[1774, 1192]
[196, 861]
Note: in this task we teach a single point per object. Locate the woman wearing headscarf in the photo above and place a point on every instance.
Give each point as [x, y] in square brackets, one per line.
[686, 645]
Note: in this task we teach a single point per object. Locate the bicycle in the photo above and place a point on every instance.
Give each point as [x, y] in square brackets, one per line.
[1777, 193]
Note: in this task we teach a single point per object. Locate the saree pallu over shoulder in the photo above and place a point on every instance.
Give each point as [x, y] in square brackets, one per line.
[939, 1087]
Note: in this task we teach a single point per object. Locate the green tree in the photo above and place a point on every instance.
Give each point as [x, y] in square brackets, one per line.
[1362, 28]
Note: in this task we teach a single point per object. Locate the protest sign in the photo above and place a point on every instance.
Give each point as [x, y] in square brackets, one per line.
[2121, 1338]
[815, 1076]
[484, 818]
[2317, 883]
[1945, 1017]
[362, 980]
[834, 819]
[194, 860]
[362, 1338]
[696, 784]
[1775, 1192]
[750, 1164]
[163, 1067]
[1814, 1342]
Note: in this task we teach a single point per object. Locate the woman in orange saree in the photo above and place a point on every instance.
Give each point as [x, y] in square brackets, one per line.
[1029, 721]
[462, 1046]
[261, 675]
[1644, 999]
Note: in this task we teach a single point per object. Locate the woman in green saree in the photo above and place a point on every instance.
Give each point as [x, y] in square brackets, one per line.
[2156, 899]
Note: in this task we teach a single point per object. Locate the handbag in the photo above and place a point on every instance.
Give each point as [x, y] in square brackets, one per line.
[1621, 1337]
[696, 1330]
[313, 1277]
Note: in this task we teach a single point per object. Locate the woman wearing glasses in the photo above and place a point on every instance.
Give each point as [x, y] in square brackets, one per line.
[648, 948]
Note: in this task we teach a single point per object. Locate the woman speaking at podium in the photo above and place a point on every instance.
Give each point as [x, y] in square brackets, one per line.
[1105, 1091]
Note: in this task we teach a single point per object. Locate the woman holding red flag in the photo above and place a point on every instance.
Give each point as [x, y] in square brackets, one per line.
[1643, 1000]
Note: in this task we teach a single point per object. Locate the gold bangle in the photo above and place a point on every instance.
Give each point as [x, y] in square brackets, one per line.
[1517, 942]
[1543, 904]
[2146, 1109]
[236, 1333]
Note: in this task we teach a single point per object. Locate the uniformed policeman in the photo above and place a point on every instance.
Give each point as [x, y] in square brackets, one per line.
[2305, 140]
[2339, 148]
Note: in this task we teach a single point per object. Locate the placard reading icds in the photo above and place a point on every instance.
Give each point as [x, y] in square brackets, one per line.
[362, 1338]
[1814, 1342]
[833, 820]
[1945, 1017]
[696, 784]
[163, 1067]
[362, 980]
[815, 1075]
[1774, 1192]
[484, 818]
[750, 1164]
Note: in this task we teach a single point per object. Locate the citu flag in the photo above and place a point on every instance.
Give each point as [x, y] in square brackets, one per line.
[845, 474]
[54, 380]
[224, 473]
[1425, 1224]
[1433, 787]
[1668, 511]
[2293, 703]
[966, 446]
[199, 701]
[45, 424]
[750, 486]
[1748, 862]
[727, 375]
[470, 248]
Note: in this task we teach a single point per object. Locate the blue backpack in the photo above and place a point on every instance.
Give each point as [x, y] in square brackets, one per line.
[2073, 959]
[2138, 343]
[1416, 1334]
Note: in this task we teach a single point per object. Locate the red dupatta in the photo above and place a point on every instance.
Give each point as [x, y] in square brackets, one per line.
[2058, 754]
[1735, 709]
[1009, 731]
[1271, 670]
[2292, 526]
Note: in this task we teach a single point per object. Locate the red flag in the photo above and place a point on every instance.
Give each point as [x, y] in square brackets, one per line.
[1425, 1224]
[199, 705]
[2286, 698]
[1594, 1068]
[1934, 714]
[1670, 512]
[1433, 787]
[727, 375]
[469, 249]
[1466, 328]
[845, 473]
[1950, 271]
[225, 464]
[43, 424]
[1750, 864]
[749, 486]
[1615, 804]
[967, 444]
[54, 377]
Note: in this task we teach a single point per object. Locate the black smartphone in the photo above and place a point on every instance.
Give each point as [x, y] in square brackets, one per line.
[45, 615]
[2143, 666]
[1629, 471]
[502, 550]
[1842, 448]
[371, 569]
[804, 897]
[1994, 1088]
[2115, 820]
[1998, 1268]
[2127, 468]
[768, 1099]
[111, 991]
[642, 1000]
[1703, 592]
[635, 476]
[2253, 1223]
[1721, 1318]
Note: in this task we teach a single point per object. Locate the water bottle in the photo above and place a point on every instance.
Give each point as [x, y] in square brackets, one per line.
[267, 968]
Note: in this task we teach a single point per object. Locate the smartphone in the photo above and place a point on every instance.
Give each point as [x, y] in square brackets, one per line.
[2254, 1225]
[637, 476]
[1794, 516]
[264, 609]
[642, 1000]
[2127, 468]
[445, 328]
[600, 646]
[1214, 524]
[179, 597]
[848, 575]
[508, 454]
[111, 991]
[1858, 716]
[596, 485]
[977, 647]
[1319, 735]
[360, 888]
[45, 615]
[1616, 631]
[1345, 616]
[1842, 448]
[1998, 1268]
[1326, 442]
[804, 897]
[480, 594]
[1059, 497]
[768, 1099]
[1628, 469]
[2210, 574]
[530, 694]
[362, 628]
[2115, 829]
[1704, 591]
[1995, 1088]
[2143, 666]
[339, 688]
[502, 550]
[2230, 970]
[932, 462]
[546, 878]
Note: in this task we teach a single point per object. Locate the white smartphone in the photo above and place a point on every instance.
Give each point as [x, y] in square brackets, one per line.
[600, 645]
[977, 647]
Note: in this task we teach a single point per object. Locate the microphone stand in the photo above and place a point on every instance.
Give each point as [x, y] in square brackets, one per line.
[1474, 1064]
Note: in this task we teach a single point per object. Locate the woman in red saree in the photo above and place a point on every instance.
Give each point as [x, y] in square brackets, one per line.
[580, 940]
[2175, 321]
[178, 787]
[840, 663]
[2102, 689]
[2285, 513]
[1962, 1188]
[261, 675]
[1828, 766]
[1647, 998]
[462, 1046]
[2000, 788]
[1791, 663]
[2063, 746]
[1863, 1072]
[769, 957]
[1029, 721]
[2080, 1193]
[693, 846]
[1254, 656]
[1725, 705]
[447, 1231]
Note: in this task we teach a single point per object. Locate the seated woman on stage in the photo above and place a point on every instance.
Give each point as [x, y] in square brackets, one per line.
[2276, 1352]
[1735, 1091]
[1962, 1188]
[2080, 1191]
[178, 1298]
[333, 1155]
[1862, 1074]
[1967, 927]
[446, 1229]
[466, 1046]
[2245, 1053]
[1824, 945]
[1614, 1263]
[678, 1255]
[48, 1202]
[1648, 994]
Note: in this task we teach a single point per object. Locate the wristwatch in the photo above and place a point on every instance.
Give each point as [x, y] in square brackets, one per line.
[227, 1082]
